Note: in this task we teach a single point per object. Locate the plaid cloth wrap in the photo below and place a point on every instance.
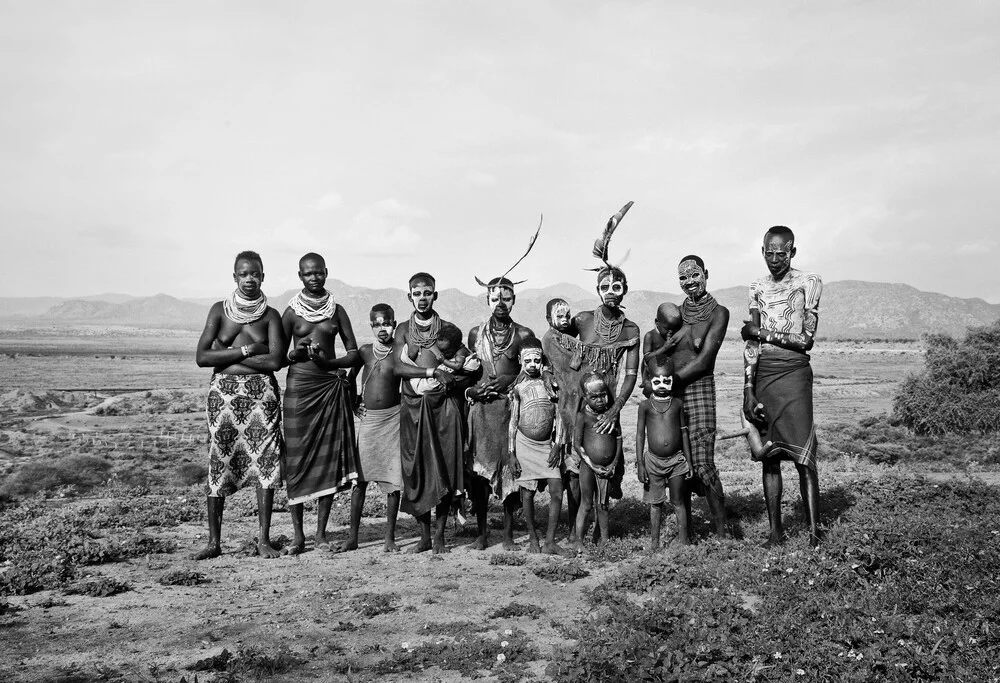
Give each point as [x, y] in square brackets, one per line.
[245, 444]
[699, 409]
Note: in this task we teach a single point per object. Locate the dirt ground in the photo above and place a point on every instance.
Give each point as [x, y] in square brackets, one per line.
[314, 604]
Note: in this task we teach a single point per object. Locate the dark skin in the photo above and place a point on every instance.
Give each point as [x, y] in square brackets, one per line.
[661, 340]
[490, 388]
[778, 252]
[381, 390]
[423, 295]
[538, 426]
[601, 447]
[666, 433]
[313, 348]
[697, 349]
[219, 347]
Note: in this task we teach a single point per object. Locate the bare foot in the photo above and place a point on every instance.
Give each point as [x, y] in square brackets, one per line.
[390, 547]
[554, 549]
[439, 547]
[295, 548]
[346, 546]
[421, 546]
[653, 547]
[577, 548]
[509, 545]
[481, 543]
[208, 553]
[533, 546]
[813, 540]
[267, 551]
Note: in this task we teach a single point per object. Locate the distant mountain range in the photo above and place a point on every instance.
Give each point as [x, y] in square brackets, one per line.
[850, 309]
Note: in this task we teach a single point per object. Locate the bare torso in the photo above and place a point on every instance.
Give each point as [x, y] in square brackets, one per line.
[381, 385]
[663, 430]
[233, 335]
[536, 412]
[600, 448]
[323, 333]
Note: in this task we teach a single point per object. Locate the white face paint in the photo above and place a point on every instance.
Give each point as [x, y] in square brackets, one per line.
[692, 278]
[500, 296]
[662, 385]
[531, 362]
[383, 328]
[560, 317]
[611, 290]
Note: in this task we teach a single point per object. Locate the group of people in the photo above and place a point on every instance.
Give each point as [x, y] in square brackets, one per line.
[499, 413]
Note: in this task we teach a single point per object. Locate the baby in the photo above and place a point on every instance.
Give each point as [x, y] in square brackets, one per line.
[599, 453]
[452, 355]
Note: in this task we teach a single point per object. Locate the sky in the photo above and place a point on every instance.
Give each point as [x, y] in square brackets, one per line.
[143, 144]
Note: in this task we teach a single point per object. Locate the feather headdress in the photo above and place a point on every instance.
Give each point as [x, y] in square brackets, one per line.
[602, 243]
[531, 243]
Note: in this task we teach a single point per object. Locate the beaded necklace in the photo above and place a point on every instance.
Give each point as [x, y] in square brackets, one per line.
[242, 310]
[313, 310]
[500, 345]
[665, 402]
[698, 311]
[607, 329]
[423, 334]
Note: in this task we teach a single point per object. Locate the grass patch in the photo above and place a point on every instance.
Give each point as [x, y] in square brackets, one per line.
[370, 605]
[516, 610]
[183, 577]
[508, 559]
[72, 474]
[503, 656]
[99, 587]
[560, 571]
[902, 589]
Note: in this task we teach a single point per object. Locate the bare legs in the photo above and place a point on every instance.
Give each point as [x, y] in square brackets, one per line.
[809, 488]
[588, 493]
[320, 540]
[572, 488]
[479, 492]
[437, 542]
[214, 547]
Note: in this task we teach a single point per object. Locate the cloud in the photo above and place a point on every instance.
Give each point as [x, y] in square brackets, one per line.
[979, 247]
[385, 228]
[331, 200]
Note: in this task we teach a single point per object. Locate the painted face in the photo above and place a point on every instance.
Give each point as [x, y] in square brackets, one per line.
[531, 362]
[662, 384]
[561, 317]
[422, 295]
[612, 290]
[692, 278]
[249, 276]
[382, 327]
[778, 252]
[313, 275]
[501, 300]
[596, 396]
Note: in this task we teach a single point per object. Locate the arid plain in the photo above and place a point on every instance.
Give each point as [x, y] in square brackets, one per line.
[135, 399]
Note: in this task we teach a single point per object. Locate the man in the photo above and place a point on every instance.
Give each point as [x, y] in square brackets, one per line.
[430, 427]
[777, 395]
[497, 343]
[698, 344]
[321, 457]
[243, 342]
[606, 338]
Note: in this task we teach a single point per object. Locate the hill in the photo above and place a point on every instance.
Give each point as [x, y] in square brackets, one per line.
[850, 309]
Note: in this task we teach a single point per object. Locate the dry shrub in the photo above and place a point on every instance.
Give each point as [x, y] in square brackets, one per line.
[960, 389]
[78, 472]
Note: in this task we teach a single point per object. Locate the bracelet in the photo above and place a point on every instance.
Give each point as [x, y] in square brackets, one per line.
[246, 350]
[430, 372]
[748, 385]
[289, 356]
[471, 401]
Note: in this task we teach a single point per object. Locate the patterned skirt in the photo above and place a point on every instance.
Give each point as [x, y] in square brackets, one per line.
[245, 445]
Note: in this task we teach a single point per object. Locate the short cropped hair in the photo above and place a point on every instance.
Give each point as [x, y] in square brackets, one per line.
[531, 343]
[450, 333]
[659, 363]
[312, 256]
[248, 256]
[782, 232]
[552, 304]
[385, 310]
[693, 257]
[591, 377]
[417, 278]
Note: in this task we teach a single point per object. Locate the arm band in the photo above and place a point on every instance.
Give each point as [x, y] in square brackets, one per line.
[631, 372]
[246, 350]
[430, 372]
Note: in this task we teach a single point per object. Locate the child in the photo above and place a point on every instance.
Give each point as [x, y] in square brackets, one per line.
[599, 454]
[661, 419]
[533, 460]
[661, 340]
[378, 431]
[557, 345]
[452, 356]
